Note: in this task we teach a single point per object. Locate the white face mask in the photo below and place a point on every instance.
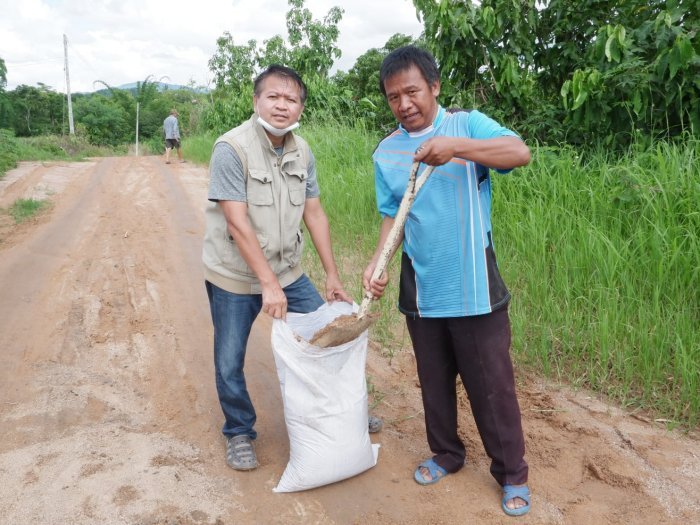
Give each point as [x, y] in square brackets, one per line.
[277, 132]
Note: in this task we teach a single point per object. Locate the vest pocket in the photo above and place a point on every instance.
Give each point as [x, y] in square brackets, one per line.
[259, 191]
[297, 196]
[296, 180]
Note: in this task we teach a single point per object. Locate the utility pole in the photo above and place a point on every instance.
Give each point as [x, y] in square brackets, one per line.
[137, 129]
[70, 102]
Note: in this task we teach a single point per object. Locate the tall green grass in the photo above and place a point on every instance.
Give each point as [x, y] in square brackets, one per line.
[602, 255]
[195, 148]
[198, 148]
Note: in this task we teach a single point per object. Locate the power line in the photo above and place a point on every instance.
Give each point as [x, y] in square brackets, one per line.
[83, 59]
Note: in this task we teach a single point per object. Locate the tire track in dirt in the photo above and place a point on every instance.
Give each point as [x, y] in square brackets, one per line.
[104, 360]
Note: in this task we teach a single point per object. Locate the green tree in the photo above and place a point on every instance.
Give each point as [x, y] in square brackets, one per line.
[485, 52]
[362, 83]
[233, 66]
[571, 69]
[641, 72]
[124, 121]
[3, 75]
[274, 51]
[313, 43]
[153, 107]
[311, 51]
[226, 112]
[105, 121]
[363, 77]
[5, 108]
[35, 110]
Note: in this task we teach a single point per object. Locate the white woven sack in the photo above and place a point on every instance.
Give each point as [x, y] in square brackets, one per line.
[325, 402]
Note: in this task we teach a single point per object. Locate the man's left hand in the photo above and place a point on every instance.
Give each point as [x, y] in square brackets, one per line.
[335, 290]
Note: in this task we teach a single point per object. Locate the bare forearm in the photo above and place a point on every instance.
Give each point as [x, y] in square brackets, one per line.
[317, 223]
[319, 230]
[498, 153]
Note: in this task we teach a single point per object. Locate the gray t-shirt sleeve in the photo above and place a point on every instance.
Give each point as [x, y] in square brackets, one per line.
[312, 189]
[226, 177]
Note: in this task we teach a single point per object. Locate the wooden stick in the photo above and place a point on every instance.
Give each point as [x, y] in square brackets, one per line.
[396, 231]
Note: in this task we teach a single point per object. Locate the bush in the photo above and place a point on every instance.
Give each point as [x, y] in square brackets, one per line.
[104, 120]
[8, 151]
[228, 110]
[51, 147]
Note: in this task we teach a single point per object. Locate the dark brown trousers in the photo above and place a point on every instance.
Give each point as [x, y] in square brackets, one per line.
[477, 349]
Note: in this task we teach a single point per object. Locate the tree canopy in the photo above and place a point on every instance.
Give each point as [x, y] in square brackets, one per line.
[3, 75]
[601, 68]
[311, 49]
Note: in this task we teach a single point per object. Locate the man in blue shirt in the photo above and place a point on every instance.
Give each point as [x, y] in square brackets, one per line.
[454, 299]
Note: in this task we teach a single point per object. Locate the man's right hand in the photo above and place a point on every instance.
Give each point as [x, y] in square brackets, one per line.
[274, 301]
[375, 287]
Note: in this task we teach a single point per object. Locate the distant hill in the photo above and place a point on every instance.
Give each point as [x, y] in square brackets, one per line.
[162, 86]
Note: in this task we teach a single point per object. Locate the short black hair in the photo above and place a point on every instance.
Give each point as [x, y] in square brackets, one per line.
[404, 58]
[280, 71]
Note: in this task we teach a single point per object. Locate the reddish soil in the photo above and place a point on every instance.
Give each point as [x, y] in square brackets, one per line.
[109, 414]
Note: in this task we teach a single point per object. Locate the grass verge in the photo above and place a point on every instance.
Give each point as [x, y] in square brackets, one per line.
[195, 148]
[48, 147]
[8, 152]
[603, 257]
[24, 209]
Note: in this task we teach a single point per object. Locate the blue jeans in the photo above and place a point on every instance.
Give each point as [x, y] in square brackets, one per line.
[233, 316]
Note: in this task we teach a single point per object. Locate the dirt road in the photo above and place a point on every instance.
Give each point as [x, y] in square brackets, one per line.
[108, 412]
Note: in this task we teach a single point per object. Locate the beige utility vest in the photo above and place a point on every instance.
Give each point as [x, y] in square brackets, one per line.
[276, 193]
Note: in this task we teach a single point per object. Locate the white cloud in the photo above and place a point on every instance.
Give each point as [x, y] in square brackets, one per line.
[34, 10]
[125, 41]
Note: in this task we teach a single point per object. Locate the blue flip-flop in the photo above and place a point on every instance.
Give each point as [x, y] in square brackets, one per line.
[510, 492]
[435, 470]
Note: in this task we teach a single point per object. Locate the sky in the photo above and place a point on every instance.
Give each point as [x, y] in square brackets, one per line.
[124, 41]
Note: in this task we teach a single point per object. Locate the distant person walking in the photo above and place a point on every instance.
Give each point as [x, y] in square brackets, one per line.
[172, 136]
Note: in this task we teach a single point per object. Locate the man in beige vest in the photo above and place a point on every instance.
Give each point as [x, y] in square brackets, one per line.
[262, 185]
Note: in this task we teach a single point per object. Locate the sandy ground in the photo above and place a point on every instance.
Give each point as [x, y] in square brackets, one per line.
[108, 412]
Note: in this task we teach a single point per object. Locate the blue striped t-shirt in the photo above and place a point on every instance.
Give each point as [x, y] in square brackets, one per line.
[449, 266]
